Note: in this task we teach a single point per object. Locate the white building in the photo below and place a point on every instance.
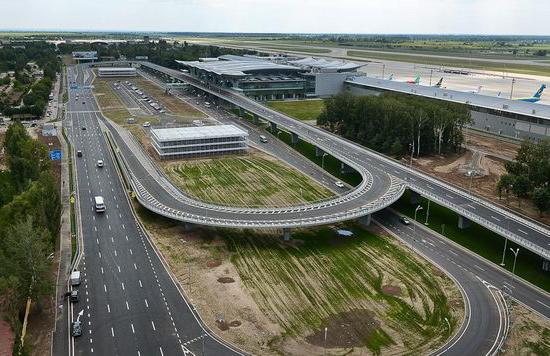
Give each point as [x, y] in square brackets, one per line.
[116, 72]
[198, 141]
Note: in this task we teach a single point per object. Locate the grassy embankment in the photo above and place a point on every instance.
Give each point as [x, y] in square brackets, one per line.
[476, 238]
[299, 109]
[455, 62]
[251, 180]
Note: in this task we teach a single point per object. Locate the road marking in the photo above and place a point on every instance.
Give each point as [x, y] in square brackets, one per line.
[108, 308]
[538, 301]
[141, 285]
[131, 253]
[112, 239]
[115, 254]
[97, 241]
[476, 266]
[153, 324]
[161, 353]
[454, 253]
[471, 206]
[122, 285]
[105, 288]
[133, 331]
[508, 284]
[523, 232]
[112, 332]
[126, 237]
[109, 227]
[123, 226]
[135, 267]
[99, 254]
[118, 269]
[497, 219]
[95, 227]
[127, 306]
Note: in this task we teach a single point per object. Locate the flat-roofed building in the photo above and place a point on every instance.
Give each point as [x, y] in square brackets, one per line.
[116, 72]
[170, 143]
[85, 56]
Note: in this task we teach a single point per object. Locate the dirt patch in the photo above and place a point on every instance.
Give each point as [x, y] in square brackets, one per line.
[529, 334]
[491, 146]
[226, 280]
[222, 325]
[347, 329]
[235, 324]
[213, 263]
[391, 290]
[7, 338]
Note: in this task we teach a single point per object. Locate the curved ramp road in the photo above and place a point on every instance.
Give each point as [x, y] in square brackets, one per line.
[129, 303]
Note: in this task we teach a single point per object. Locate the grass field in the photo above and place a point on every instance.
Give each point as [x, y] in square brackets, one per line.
[479, 240]
[455, 62]
[297, 49]
[251, 180]
[299, 109]
[344, 284]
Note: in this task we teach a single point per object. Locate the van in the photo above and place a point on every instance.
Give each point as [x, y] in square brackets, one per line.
[263, 139]
[99, 204]
[75, 278]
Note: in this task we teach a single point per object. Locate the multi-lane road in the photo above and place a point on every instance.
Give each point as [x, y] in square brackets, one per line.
[130, 303]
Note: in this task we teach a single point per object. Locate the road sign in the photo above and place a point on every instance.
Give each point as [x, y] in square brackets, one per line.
[55, 155]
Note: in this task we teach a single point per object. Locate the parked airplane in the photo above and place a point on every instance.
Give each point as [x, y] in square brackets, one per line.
[438, 84]
[415, 81]
[474, 91]
[390, 77]
[535, 97]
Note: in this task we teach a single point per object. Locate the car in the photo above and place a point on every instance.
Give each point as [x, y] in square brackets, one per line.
[73, 296]
[146, 124]
[76, 328]
[100, 163]
[404, 220]
[79, 153]
[83, 128]
[263, 139]
[83, 102]
[339, 184]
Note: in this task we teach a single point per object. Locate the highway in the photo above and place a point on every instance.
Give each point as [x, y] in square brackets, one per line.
[385, 173]
[130, 303]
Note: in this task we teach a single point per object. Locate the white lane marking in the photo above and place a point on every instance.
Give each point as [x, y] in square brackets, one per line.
[133, 331]
[508, 284]
[494, 217]
[120, 215]
[115, 254]
[476, 266]
[112, 239]
[153, 324]
[161, 353]
[135, 267]
[131, 253]
[112, 332]
[141, 285]
[122, 285]
[105, 288]
[101, 270]
[97, 241]
[108, 308]
[146, 304]
[127, 306]
[109, 227]
[523, 232]
[124, 227]
[99, 254]
[118, 269]
[454, 253]
[538, 301]
[126, 237]
[471, 206]
[95, 228]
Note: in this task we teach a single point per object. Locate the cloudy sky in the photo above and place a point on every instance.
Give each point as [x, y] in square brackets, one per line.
[528, 17]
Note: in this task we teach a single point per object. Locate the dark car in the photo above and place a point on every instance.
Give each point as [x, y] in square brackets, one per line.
[76, 328]
[79, 153]
[404, 220]
[84, 128]
[73, 296]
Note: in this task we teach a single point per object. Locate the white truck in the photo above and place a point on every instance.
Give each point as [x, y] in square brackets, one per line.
[75, 278]
[99, 204]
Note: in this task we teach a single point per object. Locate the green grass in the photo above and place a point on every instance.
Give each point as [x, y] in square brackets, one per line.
[245, 181]
[478, 239]
[455, 62]
[297, 49]
[305, 285]
[299, 109]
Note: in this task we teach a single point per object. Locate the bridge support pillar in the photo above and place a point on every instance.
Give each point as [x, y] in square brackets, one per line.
[545, 265]
[344, 168]
[294, 138]
[286, 234]
[414, 198]
[241, 112]
[273, 127]
[463, 223]
[256, 119]
[188, 226]
[319, 152]
[365, 220]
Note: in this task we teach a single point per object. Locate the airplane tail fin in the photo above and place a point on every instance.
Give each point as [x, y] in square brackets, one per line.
[479, 89]
[417, 80]
[539, 92]
[438, 84]
[390, 77]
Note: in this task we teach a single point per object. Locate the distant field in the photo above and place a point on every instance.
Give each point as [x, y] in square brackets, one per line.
[249, 180]
[451, 62]
[299, 109]
[298, 49]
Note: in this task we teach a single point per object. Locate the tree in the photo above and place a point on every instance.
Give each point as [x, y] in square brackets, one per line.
[505, 184]
[520, 187]
[541, 199]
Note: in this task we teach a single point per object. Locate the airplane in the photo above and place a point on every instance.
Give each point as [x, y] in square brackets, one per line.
[474, 91]
[438, 84]
[415, 81]
[535, 97]
[390, 77]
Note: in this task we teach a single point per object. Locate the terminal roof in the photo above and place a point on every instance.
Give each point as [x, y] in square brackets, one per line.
[239, 68]
[197, 132]
[484, 101]
[322, 63]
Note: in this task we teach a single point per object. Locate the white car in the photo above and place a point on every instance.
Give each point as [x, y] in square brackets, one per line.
[146, 124]
[100, 163]
[339, 184]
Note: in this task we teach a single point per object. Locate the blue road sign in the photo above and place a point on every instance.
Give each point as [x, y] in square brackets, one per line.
[55, 155]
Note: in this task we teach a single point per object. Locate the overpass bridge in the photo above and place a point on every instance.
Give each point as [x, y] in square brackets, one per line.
[384, 181]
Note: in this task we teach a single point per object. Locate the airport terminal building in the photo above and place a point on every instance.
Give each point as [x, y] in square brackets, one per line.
[274, 78]
[183, 142]
[499, 116]
[116, 72]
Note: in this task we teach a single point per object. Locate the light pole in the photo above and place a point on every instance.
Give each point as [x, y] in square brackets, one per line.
[323, 160]
[512, 89]
[516, 252]
[419, 207]
[471, 174]
[383, 70]
[504, 251]
[325, 341]
[427, 213]
[431, 73]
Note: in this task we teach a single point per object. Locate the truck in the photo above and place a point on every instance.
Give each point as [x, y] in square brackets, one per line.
[75, 278]
[99, 204]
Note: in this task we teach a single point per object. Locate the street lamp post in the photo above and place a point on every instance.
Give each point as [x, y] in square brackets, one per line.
[516, 252]
[323, 160]
[419, 207]
[505, 242]
[512, 89]
[471, 174]
[427, 213]
[383, 70]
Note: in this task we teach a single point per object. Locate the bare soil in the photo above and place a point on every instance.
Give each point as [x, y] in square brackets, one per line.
[529, 334]
[226, 280]
[391, 290]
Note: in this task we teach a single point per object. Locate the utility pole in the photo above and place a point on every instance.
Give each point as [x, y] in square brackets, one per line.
[512, 90]
[323, 160]
[431, 73]
[383, 70]
[427, 213]
[419, 207]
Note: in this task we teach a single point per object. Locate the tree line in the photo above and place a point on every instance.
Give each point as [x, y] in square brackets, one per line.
[529, 175]
[30, 211]
[397, 124]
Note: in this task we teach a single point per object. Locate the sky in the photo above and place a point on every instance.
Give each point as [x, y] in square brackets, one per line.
[526, 17]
